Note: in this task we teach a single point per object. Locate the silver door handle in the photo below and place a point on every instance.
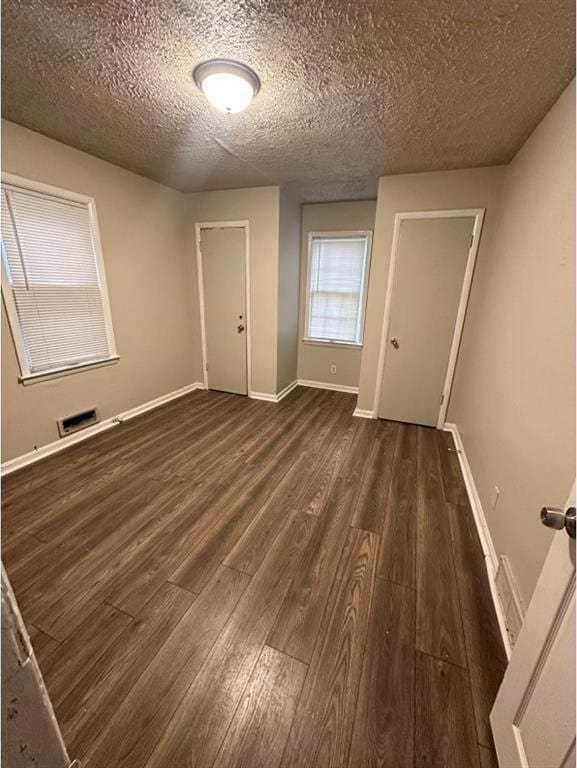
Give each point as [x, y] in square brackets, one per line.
[553, 517]
[395, 342]
[240, 328]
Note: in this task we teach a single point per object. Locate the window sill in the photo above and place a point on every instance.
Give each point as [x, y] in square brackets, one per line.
[326, 343]
[57, 373]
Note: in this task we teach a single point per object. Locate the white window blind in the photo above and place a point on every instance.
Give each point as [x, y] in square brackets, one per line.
[51, 272]
[338, 268]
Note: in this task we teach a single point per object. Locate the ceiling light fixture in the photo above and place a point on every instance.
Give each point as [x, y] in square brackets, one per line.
[229, 85]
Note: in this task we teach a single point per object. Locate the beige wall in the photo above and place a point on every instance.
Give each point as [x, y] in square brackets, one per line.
[142, 228]
[315, 360]
[260, 206]
[441, 190]
[288, 290]
[514, 390]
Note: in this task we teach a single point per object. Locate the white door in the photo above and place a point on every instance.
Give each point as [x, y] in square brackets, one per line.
[533, 718]
[30, 732]
[223, 276]
[430, 265]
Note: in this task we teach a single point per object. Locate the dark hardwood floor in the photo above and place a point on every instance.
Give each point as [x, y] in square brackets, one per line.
[227, 582]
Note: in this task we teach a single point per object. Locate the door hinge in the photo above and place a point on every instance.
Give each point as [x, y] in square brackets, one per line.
[442, 399]
[471, 242]
[206, 367]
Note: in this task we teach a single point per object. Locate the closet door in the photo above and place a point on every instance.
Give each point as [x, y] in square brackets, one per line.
[224, 293]
[431, 261]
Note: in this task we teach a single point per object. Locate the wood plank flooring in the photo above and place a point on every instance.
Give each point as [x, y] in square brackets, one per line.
[233, 583]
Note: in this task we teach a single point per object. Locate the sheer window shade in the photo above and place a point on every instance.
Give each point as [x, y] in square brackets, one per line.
[51, 271]
[336, 289]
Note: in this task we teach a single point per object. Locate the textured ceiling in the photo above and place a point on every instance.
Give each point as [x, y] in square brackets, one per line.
[350, 90]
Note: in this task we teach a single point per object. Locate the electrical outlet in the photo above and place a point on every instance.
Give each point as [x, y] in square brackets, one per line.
[496, 494]
[333, 368]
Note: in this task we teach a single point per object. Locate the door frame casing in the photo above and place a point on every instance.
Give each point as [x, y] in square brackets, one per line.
[198, 227]
[478, 214]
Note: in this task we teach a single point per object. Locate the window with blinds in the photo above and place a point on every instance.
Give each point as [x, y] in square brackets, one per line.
[338, 267]
[53, 282]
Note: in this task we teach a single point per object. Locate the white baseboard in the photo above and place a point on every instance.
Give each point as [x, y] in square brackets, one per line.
[303, 383]
[59, 445]
[327, 385]
[127, 415]
[263, 396]
[489, 552]
[476, 506]
[284, 392]
[273, 398]
[361, 413]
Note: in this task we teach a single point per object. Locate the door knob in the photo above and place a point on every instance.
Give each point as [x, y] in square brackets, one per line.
[395, 342]
[553, 517]
[240, 328]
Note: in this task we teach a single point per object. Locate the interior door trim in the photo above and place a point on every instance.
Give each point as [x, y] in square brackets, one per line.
[476, 213]
[198, 227]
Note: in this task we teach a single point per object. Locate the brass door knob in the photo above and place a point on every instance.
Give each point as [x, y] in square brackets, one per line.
[395, 342]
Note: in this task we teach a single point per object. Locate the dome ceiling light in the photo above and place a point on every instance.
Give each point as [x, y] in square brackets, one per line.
[229, 85]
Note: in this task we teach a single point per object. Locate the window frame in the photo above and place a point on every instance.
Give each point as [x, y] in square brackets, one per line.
[337, 235]
[9, 181]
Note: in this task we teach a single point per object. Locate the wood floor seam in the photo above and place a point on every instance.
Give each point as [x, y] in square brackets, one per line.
[174, 584]
[362, 665]
[268, 645]
[46, 633]
[238, 570]
[442, 475]
[398, 584]
[130, 615]
[445, 661]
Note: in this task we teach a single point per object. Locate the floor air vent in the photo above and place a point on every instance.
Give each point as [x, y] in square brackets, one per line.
[509, 598]
[78, 421]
